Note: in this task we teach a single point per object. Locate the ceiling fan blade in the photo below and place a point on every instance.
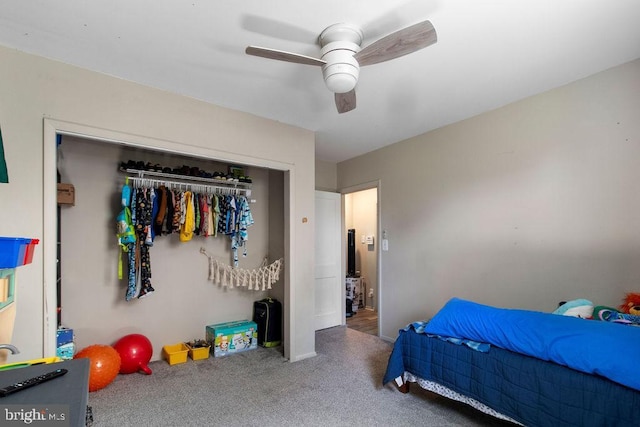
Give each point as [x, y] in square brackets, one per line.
[398, 44]
[346, 101]
[281, 55]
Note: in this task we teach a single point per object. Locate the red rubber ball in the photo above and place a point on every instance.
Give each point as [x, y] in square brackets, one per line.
[104, 365]
[135, 351]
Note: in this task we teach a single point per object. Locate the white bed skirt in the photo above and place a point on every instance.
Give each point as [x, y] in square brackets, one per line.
[448, 393]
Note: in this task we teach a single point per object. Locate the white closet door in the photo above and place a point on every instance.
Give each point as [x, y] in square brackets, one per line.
[328, 280]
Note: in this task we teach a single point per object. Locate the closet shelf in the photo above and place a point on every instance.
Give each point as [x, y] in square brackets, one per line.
[178, 181]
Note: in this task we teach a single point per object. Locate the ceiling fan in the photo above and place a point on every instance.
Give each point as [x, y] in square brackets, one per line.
[341, 55]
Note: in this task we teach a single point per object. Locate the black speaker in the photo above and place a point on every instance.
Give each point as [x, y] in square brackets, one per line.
[351, 252]
[267, 313]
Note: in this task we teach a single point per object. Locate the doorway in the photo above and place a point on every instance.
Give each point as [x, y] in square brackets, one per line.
[54, 128]
[95, 305]
[361, 216]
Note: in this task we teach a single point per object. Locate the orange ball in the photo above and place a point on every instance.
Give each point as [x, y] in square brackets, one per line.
[104, 365]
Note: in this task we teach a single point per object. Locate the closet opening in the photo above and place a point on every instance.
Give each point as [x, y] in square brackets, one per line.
[184, 301]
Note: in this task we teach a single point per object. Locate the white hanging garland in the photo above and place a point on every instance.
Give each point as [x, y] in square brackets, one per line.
[256, 279]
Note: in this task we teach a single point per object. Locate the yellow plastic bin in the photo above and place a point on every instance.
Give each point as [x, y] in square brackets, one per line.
[198, 353]
[176, 353]
[43, 361]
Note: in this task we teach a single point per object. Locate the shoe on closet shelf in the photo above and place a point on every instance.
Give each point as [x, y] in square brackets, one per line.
[153, 167]
[182, 170]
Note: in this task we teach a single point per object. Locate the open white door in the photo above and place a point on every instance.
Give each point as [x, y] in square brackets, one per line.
[328, 280]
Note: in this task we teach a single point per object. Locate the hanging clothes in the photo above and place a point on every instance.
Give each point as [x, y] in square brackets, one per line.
[158, 209]
[222, 215]
[167, 225]
[161, 211]
[178, 211]
[131, 253]
[188, 225]
[243, 219]
[143, 217]
[204, 219]
[196, 213]
[215, 215]
[151, 233]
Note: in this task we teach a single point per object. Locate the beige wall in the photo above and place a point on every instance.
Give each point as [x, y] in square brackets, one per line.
[34, 88]
[326, 176]
[524, 206]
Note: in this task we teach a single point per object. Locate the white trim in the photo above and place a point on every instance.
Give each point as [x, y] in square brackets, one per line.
[361, 187]
[289, 273]
[52, 127]
[379, 256]
[50, 239]
[304, 356]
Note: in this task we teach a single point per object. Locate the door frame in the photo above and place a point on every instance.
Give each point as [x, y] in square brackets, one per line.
[354, 189]
[52, 128]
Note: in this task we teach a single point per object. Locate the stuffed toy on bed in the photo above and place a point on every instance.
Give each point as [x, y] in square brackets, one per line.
[628, 313]
[631, 304]
[577, 308]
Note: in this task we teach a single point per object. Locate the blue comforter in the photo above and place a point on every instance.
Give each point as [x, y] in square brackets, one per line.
[529, 390]
[594, 347]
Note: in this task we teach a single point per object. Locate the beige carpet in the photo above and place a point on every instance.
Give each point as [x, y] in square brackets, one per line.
[341, 386]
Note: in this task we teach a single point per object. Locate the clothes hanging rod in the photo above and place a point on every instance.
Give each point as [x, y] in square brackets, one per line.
[173, 177]
[188, 186]
[192, 183]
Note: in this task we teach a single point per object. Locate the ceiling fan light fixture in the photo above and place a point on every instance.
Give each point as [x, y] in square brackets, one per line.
[341, 70]
[340, 78]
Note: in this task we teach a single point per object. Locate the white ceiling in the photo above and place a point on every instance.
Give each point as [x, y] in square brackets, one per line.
[488, 54]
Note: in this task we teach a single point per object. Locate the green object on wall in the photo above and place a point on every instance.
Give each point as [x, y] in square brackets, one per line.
[4, 175]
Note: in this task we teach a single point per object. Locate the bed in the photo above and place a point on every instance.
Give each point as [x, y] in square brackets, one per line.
[530, 368]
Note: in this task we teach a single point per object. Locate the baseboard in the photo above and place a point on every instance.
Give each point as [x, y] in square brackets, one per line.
[387, 339]
[304, 356]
